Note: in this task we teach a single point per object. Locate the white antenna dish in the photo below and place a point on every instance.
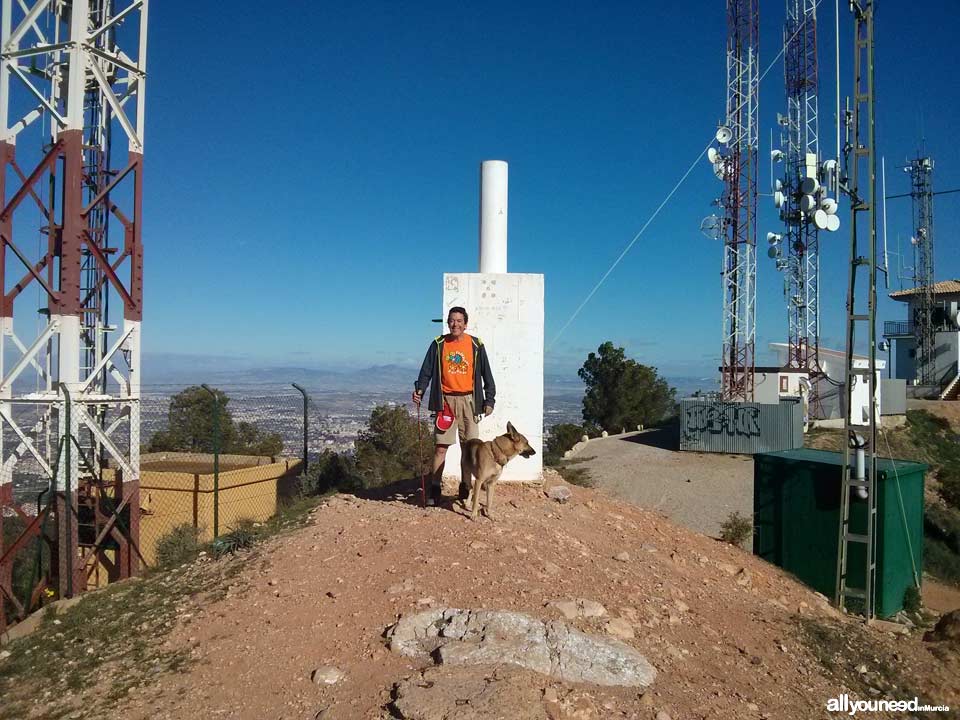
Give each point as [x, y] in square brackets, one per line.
[829, 206]
[713, 156]
[883, 346]
[778, 199]
[820, 219]
[712, 227]
[833, 223]
[777, 185]
[773, 238]
[808, 203]
[776, 155]
[773, 251]
[724, 134]
[914, 241]
[809, 186]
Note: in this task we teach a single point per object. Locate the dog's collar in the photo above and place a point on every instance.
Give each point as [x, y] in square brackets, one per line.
[498, 455]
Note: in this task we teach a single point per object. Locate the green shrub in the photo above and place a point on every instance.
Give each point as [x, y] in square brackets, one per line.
[390, 449]
[330, 472]
[736, 529]
[940, 561]
[912, 599]
[181, 545]
[242, 537]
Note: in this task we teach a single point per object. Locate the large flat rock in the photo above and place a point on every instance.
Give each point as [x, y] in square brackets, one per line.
[489, 637]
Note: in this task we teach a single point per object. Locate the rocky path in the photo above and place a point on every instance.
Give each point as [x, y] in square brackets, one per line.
[696, 490]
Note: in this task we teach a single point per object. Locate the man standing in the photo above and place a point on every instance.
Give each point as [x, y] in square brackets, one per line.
[458, 373]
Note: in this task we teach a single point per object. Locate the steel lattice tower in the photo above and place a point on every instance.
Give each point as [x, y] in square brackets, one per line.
[801, 148]
[924, 328]
[739, 202]
[72, 94]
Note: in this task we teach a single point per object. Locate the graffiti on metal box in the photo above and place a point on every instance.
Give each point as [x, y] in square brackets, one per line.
[723, 419]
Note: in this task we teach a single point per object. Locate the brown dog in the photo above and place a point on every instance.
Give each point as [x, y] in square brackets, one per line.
[485, 460]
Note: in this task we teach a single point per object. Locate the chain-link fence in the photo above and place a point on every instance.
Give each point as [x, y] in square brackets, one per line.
[212, 459]
[217, 458]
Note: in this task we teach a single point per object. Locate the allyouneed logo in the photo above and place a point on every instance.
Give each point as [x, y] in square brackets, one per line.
[846, 704]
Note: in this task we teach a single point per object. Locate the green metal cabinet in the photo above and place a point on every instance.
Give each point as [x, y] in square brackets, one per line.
[796, 505]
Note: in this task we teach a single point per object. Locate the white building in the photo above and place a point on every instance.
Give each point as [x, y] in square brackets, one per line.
[793, 383]
[946, 296]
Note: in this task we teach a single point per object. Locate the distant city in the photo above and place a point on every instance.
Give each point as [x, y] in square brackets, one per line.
[339, 409]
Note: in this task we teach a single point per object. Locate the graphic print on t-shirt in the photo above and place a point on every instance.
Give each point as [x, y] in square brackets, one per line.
[458, 365]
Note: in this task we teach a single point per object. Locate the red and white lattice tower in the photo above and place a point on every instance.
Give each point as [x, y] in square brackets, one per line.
[72, 92]
[739, 201]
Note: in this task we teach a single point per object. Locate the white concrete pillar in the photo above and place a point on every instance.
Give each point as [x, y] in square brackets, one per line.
[493, 216]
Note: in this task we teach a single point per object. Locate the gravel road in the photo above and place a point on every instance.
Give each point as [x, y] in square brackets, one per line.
[697, 490]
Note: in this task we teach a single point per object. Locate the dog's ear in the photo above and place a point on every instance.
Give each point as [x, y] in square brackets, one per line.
[511, 430]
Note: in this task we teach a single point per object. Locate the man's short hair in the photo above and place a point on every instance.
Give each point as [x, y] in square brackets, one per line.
[460, 310]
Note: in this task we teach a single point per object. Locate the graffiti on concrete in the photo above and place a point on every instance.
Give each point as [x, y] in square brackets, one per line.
[722, 418]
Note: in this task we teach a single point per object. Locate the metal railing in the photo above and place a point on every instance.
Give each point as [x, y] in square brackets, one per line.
[948, 377]
[896, 328]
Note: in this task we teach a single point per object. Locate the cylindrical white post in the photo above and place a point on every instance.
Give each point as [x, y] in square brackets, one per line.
[493, 216]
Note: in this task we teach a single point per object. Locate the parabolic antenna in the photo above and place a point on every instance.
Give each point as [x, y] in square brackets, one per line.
[809, 186]
[712, 155]
[778, 199]
[776, 155]
[712, 227]
[777, 185]
[829, 206]
[833, 223]
[724, 134]
[773, 238]
[820, 219]
[808, 203]
[773, 251]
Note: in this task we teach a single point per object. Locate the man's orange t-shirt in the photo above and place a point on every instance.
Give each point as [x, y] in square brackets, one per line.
[456, 365]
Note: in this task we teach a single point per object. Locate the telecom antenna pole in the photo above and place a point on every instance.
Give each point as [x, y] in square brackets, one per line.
[72, 107]
[861, 479]
[737, 167]
[802, 197]
[924, 329]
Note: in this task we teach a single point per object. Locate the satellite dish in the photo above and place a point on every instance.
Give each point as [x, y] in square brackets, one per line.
[833, 223]
[809, 186]
[820, 219]
[776, 155]
[773, 238]
[777, 185]
[712, 227]
[724, 134]
[914, 241]
[713, 156]
[883, 346]
[829, 206]
[778, 199]
[773, 251]
[808, 203]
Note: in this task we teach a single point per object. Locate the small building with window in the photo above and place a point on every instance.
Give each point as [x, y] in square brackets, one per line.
[903, 339]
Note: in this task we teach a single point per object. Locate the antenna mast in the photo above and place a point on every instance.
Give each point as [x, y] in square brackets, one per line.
[737, 167]
[924, 328]
[802, 196]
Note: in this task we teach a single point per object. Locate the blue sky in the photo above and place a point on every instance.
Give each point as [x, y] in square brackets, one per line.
[312, 170]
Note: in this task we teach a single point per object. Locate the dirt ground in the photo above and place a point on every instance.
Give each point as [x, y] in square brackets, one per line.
[729, 635]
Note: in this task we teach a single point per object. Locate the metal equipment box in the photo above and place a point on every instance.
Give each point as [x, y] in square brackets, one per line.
[796, 506]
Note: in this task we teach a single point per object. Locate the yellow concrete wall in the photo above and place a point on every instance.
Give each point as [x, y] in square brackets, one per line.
[171, 499]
